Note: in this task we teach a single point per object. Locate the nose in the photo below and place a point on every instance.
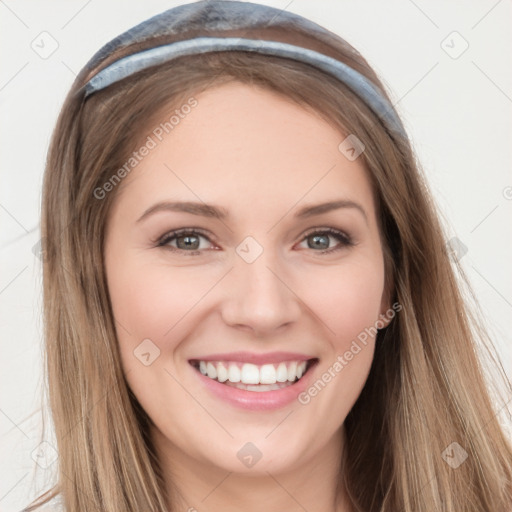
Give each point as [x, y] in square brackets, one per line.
[259, 296]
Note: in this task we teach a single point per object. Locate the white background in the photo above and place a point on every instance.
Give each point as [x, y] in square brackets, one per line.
[457, 111]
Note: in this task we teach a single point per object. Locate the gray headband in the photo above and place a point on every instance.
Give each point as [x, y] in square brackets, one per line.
[226, 15]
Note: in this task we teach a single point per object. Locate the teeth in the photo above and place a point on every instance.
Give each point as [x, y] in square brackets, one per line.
[211, 370]
[267, 374]
[292, 371]
[282, 373]
[222, 373]
[258, 387]
[251, 374]
[233, 373]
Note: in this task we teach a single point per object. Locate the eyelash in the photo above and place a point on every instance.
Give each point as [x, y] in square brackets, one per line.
[344, 239]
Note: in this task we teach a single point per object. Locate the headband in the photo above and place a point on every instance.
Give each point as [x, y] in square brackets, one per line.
[213, 15]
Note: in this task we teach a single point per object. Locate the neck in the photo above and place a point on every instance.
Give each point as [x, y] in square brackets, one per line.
[314, 485]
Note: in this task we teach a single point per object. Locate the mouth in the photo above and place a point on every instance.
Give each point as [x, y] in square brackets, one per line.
[254, 378]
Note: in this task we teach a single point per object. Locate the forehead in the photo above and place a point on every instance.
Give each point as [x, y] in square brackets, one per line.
[245, 147]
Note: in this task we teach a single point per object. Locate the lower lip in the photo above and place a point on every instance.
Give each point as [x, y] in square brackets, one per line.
[257, 400]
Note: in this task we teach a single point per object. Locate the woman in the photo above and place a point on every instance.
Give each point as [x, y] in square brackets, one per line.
[248, 300]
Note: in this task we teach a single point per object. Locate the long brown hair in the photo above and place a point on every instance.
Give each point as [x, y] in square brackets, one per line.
[427, 390]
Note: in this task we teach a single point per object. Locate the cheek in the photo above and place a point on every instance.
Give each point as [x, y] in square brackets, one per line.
[169, 304]
[151, 300]
[347, 299]
[154, 301]
[348, 302]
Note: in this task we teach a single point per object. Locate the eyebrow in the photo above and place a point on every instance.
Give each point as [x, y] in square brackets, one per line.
[217, 212]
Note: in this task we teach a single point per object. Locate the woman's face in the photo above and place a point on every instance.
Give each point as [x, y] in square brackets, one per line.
[261, 281]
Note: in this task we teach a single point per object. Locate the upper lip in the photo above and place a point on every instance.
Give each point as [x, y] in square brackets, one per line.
[255, 358]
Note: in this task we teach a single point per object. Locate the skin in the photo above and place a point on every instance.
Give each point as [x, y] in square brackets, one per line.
[262, 158]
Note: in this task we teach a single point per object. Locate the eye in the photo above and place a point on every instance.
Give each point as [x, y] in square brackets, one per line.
[320, 239]
[186, 240]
